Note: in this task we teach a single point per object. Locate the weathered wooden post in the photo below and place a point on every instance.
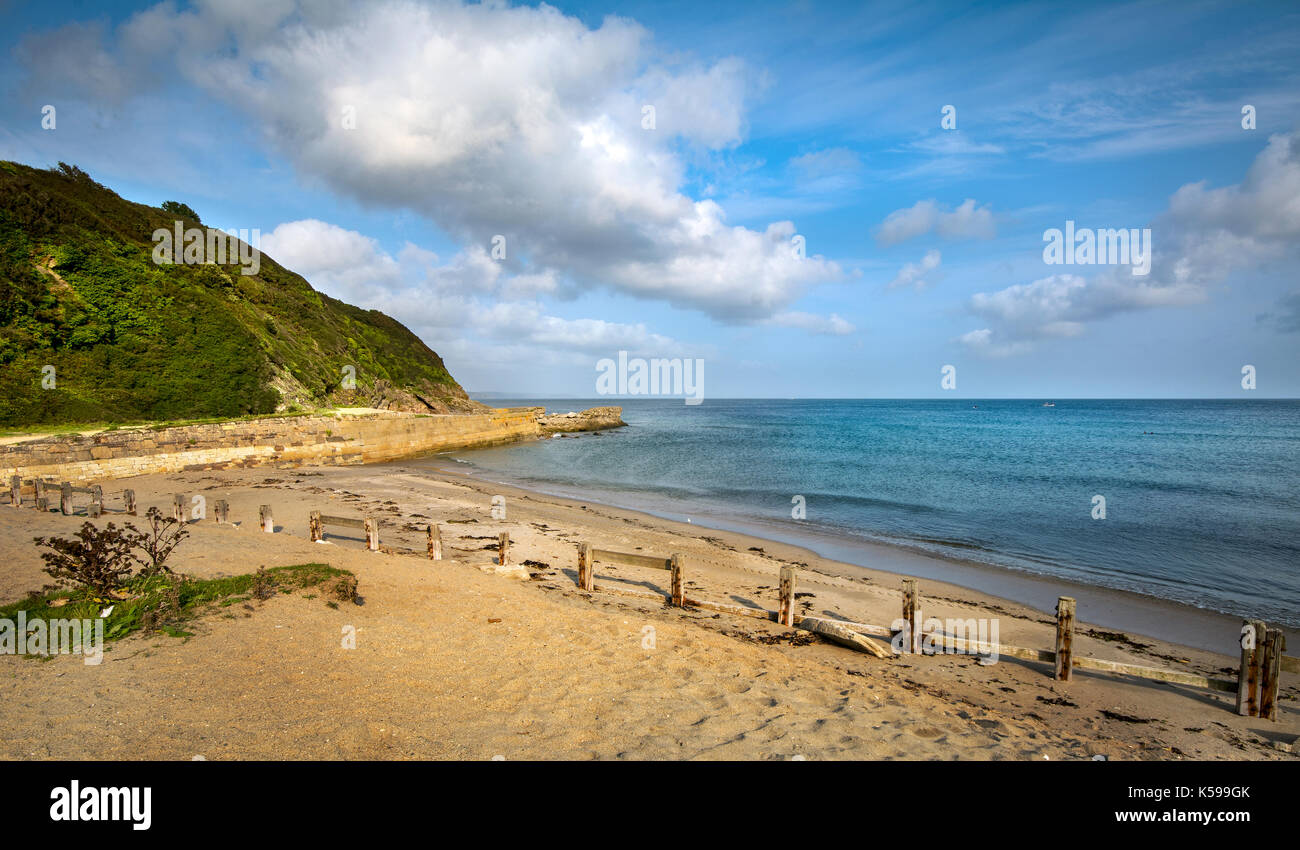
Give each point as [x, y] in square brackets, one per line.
[65, 498]
[264, 516]
[1252, 654]
[38, 491]
[586, 578]
[1064, 637]
[678, 586]
[785, 615]
[435, 543]
[503, 548]
[372, 534]
[15, 491]
[178, 508]
[222, 511]
[313, 527]
[1274, 644]
[96, 500]
[128, 502]
[911, 602]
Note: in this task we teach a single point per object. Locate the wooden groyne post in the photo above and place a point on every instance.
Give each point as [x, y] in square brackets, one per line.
[178, 508]
[586, 575]
[264, 517]
[128, 502]
[785, 612]
[911, 603]
[675, 568]
[15, 491]
[435, 543]
[1252, 656]
[65, 498]
[1064, 637]
[1274, 644]
[503, 548]
[222, 509]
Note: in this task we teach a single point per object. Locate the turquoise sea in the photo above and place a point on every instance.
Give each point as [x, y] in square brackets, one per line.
[1202, 498]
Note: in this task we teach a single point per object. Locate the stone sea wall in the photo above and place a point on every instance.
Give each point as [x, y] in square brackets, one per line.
[287, 441]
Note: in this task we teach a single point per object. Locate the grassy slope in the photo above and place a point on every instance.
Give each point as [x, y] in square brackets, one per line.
[175, 599]
[132, 341]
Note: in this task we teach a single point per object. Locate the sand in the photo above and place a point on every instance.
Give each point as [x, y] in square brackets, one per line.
[452, 662]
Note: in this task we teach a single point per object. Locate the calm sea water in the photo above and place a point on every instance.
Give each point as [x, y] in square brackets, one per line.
[1202, 497]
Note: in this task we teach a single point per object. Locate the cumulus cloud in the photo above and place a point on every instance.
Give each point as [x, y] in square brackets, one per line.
[333, 257]
[967, 221]
[1203, 237]
[470, 292]
[982, 342]
[496, 120]
[913, 274]
[1215, 231]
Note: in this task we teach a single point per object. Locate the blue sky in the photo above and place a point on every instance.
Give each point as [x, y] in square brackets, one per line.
[924, 245]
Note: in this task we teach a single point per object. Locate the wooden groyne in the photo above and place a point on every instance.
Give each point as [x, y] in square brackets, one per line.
[1256, 686]
[1261, 649]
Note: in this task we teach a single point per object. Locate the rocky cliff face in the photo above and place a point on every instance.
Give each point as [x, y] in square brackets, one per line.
[592, 419]
[423, 398]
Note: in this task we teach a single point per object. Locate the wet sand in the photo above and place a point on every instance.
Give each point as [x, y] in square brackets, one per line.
[1110, 608]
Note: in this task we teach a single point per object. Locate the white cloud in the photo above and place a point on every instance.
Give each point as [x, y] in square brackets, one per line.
[982, 342]
[471, 293]
[490, 119]
[913, 274]
[967, 221]
[1203, 237]
[332, 257]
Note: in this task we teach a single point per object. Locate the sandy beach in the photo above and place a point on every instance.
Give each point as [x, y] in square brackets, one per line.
[453, 661]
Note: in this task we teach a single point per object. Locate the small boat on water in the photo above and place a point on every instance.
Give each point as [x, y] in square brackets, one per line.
[1049, 404]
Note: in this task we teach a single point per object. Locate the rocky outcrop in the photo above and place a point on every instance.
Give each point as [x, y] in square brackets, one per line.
[423, 398]
[592, 419]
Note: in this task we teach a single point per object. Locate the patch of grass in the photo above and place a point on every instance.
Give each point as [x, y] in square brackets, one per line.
[163, 603]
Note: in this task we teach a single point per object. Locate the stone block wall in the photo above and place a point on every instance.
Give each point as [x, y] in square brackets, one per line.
[287, 441]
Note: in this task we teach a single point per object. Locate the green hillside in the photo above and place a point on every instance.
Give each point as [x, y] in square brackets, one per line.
[132, 340]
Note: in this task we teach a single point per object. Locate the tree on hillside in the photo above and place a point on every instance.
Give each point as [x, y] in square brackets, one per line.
[179, 210]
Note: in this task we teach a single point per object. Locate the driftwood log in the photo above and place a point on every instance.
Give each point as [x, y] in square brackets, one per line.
[844, 635]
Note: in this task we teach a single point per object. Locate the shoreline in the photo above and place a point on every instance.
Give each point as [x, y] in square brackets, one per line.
[453, 659]
[1114, 608]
